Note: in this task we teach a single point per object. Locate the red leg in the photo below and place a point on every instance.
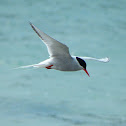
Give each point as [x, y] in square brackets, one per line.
[49, 67]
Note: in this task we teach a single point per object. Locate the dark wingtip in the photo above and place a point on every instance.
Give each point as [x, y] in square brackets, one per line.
[30, 23]
[33, 27]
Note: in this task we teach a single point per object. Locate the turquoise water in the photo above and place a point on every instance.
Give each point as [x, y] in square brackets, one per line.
[52, 98]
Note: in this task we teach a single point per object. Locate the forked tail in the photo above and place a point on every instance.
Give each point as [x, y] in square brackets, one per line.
[28, 66]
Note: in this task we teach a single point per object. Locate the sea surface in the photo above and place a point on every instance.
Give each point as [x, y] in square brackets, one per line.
[41, 97]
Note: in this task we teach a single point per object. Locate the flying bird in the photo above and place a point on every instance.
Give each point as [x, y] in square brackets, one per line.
[60, 58]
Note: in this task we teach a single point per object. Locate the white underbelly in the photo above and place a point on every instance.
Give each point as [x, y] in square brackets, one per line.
[66, 65]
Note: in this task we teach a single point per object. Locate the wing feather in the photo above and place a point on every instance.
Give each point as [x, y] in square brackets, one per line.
[55, 48]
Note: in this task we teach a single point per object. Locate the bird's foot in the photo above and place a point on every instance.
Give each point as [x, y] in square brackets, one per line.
[49, 67]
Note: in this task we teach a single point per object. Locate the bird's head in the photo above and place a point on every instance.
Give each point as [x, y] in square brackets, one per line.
[83, 64]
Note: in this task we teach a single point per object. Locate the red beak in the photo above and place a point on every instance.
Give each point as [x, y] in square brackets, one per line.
[86, 72]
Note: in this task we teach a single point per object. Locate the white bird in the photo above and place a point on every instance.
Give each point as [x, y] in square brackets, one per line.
[60, 58]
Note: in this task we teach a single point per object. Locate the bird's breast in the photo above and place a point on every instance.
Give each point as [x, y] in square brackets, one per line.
[66, 64]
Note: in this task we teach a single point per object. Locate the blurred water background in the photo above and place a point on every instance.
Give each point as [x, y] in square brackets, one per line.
[41, 97]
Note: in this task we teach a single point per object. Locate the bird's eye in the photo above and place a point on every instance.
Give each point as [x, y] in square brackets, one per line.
[81, 62]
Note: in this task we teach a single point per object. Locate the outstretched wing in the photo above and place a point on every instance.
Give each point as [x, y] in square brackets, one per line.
[105, 60]
[55, 48]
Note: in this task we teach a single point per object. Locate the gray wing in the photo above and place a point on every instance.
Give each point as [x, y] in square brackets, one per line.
[105, 60]
[55, 48]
